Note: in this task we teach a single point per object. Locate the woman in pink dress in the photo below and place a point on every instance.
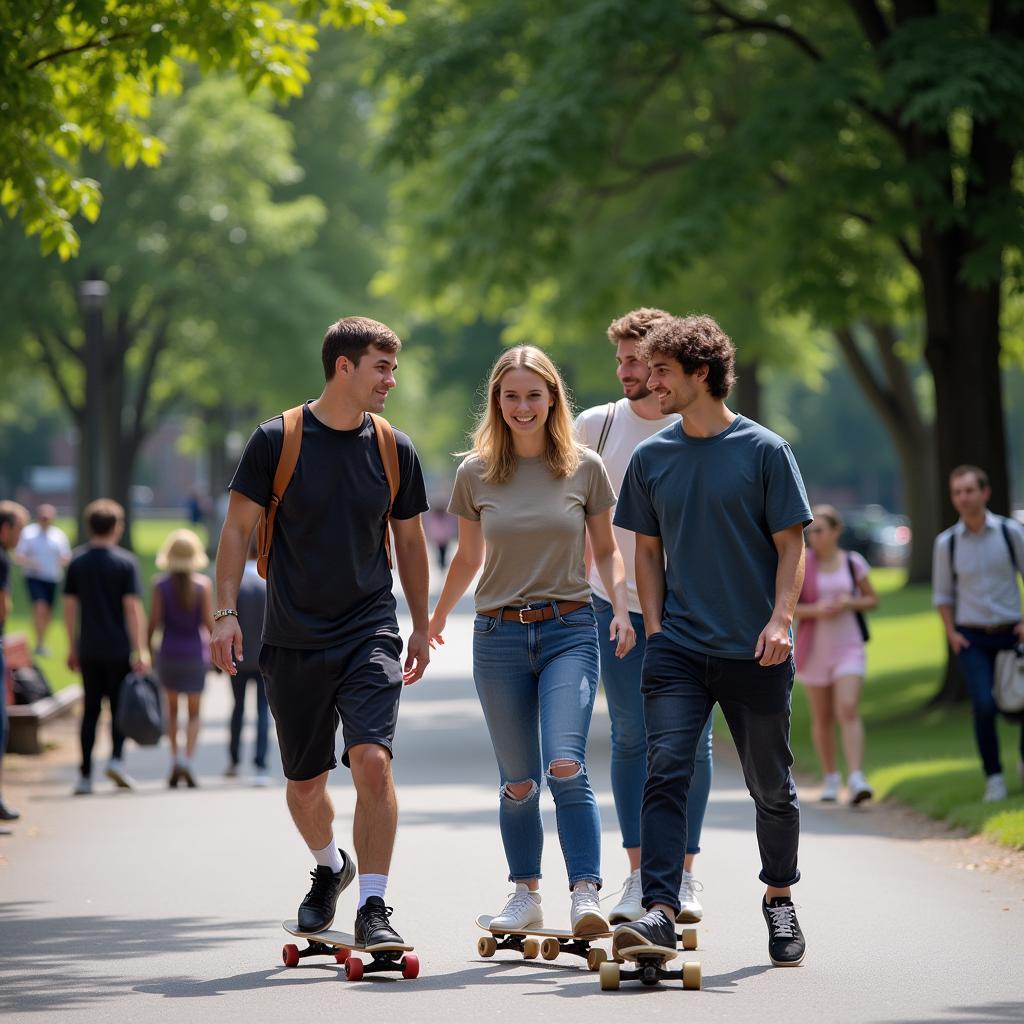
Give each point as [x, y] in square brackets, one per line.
[830, 655]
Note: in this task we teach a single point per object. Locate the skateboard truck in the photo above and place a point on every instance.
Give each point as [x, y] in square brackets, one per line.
[548, 948]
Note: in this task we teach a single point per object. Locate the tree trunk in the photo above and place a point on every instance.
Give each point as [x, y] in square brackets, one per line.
[748, 389]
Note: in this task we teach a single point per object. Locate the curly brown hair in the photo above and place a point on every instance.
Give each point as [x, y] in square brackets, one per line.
[635, 324]
[693, 342]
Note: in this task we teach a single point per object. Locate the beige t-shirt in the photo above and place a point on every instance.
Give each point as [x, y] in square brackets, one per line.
[533, 527]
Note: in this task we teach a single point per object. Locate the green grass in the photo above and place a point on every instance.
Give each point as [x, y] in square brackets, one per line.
[148, 535]
[924, 758]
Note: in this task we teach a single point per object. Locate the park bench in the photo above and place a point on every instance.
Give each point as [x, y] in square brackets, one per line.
[24, 720]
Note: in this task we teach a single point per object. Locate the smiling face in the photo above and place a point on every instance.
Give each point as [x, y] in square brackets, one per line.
[371, 379]
[631, 371]
[969, 497]
[525, 401]
[676, 389]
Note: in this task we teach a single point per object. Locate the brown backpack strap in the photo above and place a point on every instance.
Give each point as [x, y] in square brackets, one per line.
[389, 456]
[286, 463]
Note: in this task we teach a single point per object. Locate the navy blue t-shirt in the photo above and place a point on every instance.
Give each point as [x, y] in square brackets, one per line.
[715, 503]
[328, 580]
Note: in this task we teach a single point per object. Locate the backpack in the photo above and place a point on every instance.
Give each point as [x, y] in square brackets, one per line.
[29, 684]
[286, 467]
[1008, 684]
[140, 708]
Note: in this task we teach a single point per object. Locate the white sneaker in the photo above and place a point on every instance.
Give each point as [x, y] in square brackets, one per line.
[261, 780]
[995, 789]
[690, 910]
[630, 907]
[858, 788]
[830, 788]
[585, 915]
[83, 787]
[117, 774]
[521, 912]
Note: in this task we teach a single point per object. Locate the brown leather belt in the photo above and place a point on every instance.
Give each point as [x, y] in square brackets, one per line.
[525, 615]
[1003, 627]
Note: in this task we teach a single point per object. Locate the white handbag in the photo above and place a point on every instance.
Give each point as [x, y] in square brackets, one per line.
[1008, 687]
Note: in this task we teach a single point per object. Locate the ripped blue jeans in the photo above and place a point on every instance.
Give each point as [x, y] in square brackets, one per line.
[537, 682]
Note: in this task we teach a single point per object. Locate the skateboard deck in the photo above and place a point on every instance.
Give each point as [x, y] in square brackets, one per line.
[339, 945]
[650, 967]
[544, 942]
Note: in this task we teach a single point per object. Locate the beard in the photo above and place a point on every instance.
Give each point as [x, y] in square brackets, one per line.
[642, 391]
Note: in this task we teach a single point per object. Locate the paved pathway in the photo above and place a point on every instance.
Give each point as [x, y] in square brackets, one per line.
[164, 906]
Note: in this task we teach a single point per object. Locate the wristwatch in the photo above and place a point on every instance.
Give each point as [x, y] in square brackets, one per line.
[221, 613]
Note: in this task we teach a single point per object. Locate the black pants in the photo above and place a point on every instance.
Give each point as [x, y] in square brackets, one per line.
[680, 688]
[101, 679]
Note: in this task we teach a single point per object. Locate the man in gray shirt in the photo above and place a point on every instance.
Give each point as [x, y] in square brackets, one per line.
[974, 587]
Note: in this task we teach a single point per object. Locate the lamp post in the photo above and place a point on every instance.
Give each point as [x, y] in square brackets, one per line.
[92, 296]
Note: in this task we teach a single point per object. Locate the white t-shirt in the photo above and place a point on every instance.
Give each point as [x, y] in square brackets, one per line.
[43, 552]
[627, 431]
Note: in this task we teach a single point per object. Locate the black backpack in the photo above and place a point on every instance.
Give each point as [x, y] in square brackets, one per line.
[30, 684]
[140, 708]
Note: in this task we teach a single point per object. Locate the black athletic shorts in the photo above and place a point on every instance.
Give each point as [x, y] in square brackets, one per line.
[358, 684]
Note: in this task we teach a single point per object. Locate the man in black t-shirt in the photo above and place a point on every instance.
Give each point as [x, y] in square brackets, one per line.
[105, 621]
[331, 647]
[13, 518]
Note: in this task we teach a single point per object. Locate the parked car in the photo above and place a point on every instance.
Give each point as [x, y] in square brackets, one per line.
[882, 537]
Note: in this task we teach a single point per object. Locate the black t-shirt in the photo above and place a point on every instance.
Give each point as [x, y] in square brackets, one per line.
[5, 584]
[100, 577]
[328, 580]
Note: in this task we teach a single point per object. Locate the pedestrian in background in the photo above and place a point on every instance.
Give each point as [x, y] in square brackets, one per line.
[105, 621]
[441, 528]
[831, 661]
[975, 565]
[182, 610]
[13, 518]
[42, 553]
[251, 605]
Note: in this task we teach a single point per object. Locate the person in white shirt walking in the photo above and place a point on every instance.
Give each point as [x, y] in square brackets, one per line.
[42, 552]
[613, 431]
[975, 565]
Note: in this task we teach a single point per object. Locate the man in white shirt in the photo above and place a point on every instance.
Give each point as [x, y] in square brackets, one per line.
[975, 564]
[42, 552]
[613, 431]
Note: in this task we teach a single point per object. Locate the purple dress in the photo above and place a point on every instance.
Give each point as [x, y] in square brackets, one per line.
[184, 657]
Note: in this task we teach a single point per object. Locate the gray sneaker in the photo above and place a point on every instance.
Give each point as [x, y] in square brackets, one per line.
[117, 774]
[83, 787]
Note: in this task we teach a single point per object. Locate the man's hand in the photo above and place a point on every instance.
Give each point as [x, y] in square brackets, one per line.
[73, 663]
[226, 644]
[417, 656]
[1018, 631]
[774, 644]
[140, 661]
[958, 642]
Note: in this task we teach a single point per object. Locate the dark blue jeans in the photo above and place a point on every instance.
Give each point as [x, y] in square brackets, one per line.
[978, 663]
[3, 702]
[680, 688]
[238, 687]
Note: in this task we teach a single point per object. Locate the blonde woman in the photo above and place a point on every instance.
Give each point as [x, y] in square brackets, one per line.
[830, 656]
[526, 496]
[182, 609]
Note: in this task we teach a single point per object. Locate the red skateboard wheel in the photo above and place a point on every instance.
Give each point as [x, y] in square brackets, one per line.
[353, 968]
[341, 955]
[290, 955]
[410, 966]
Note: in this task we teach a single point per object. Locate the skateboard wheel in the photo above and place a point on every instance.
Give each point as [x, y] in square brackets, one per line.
[290, 955]
[691, 974]
[341, 955]
[596, 957]
[549, 949]
[609, 976]
[531, 949]
[353, 968]
[689, 938]
[487, 945]
[410, 966]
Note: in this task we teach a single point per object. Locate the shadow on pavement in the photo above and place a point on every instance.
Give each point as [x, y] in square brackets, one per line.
[990, 1013]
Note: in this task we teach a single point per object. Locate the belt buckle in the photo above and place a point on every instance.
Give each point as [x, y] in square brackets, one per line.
[522, 612]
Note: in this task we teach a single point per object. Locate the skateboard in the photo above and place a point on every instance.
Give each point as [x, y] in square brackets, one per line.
[544, 942]
[341, 946]
[650, 967]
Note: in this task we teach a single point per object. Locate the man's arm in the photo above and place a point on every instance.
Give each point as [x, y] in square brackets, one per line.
[414, 572]
[135, 620]
[239, 523]
[775, 642]
[649, 565]
[71, 624]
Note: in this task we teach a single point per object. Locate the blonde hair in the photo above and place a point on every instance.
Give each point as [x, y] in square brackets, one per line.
[492, 439]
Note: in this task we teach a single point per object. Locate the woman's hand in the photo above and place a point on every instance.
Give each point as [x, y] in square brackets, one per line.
[623, 631]
[435, 628]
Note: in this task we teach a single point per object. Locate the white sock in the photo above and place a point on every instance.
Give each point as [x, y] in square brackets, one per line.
[371, 885]
[534, 893]
[329, 856]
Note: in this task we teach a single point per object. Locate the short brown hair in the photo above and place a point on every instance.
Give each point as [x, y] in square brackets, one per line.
[351, 336]
[13, 514]
[829, 513]
[635, 324]
[693, 342]
[102, 516]
[979, 474]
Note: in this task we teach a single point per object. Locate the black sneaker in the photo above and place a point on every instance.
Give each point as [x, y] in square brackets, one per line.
[6, 814]
[653, 929]
[785, 940]
[316, 911]
[373, 929]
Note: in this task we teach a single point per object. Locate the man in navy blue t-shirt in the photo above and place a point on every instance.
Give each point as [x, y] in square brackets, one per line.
[718, 508]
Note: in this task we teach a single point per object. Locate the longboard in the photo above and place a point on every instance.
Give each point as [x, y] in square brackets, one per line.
[650, 967]
[544, 942]
[393, 956]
